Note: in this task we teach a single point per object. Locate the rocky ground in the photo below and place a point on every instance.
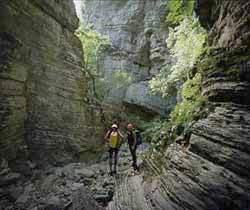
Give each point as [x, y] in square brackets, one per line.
[63, 187]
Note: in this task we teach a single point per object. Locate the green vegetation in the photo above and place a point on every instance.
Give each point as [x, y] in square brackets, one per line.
[93, 43]
[186, 43]
[101, 84]
[111, 81]
[216, 60]
[191, 108]
[179, 9]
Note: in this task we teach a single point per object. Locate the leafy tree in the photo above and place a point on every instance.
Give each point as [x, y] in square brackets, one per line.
[114, 80]
[93, 43]
[186, 44]
[178, 10]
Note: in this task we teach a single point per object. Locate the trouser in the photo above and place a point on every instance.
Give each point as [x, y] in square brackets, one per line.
[133, 154]
[113, 152]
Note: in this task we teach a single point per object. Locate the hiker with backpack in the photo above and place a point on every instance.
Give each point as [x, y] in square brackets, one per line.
[114, 139]
[134, 139]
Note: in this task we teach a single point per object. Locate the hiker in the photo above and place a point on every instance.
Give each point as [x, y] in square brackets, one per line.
[114, 138]
[133, 142]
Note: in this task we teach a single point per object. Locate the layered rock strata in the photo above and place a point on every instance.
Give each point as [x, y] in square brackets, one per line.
[213, 171]
[42, 83]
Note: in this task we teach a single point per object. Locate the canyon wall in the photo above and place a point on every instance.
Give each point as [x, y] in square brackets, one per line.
[212, 173]
[42, 110]
[137, 34]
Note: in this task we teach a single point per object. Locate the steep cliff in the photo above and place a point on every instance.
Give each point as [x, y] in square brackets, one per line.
[137, 36]
[43, 115]
[43, 118]
[213, 171]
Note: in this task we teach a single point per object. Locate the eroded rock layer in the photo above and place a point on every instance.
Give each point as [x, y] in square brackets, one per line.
[42, 82]
[43, 118]
[213, 172]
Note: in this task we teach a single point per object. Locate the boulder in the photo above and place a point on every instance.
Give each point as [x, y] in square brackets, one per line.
[24, 198]
[52, 203]
[85, 172]
[9, 178]
[103, 197]
[76, 186]
[82, 200]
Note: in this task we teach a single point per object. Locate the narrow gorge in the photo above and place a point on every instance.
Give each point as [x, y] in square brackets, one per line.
[178, 70]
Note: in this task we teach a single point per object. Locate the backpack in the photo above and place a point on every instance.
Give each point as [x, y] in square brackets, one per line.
[114, 140]
[138, 137]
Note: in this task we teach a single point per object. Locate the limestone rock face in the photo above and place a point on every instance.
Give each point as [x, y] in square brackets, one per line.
[42, 82]
[137, 43]
[227, 21]
[139, 95]
[213, 171]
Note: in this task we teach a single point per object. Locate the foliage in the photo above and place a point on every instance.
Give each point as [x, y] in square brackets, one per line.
[160, 83]
[178, 10]
[92, 43]
[114, 80]
[154, 130]
[186, 44]
[191, 108]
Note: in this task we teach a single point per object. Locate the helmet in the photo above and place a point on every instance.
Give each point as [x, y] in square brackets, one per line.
[114, 126]
[130, 125]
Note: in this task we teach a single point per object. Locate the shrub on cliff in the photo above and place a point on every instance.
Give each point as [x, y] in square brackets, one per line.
[191, 107]
[186, 44]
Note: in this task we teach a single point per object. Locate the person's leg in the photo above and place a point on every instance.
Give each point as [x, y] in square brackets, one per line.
[133, 154]
[116, 160]
[110, 160]
[131, 151]
[135, 158]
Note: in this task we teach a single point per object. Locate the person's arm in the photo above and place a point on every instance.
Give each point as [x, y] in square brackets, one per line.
[107, 135]
[120, 134]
